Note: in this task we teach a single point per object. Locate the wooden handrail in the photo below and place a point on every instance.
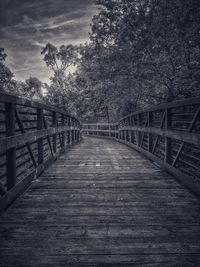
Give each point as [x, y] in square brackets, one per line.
[32, 135]
[168, 134]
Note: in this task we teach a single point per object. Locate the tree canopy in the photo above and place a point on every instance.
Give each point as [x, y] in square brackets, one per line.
[140, 52]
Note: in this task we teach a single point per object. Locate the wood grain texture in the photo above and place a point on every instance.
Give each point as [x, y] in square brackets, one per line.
[102, 204]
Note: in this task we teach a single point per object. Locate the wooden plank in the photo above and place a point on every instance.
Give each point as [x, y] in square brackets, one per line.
[20, 187]
[191, 182]
[80, 213]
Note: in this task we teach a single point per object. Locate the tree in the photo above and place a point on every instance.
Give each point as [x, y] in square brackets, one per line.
[6, 75]
[59, 61]
[141, 52]
[31, 88]
[161, 38]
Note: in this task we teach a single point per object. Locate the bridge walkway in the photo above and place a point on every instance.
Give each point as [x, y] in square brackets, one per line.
[102, 203]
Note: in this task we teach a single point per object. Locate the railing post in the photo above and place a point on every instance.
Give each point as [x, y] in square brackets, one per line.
[54, 135]
[139, 133]
[63, 133]
[150, 141]
[129, 132]
[78, 132]
[74, 131]
[73, 139]
[10, 153]
[68, 131]
[40, 126]
[167, 158]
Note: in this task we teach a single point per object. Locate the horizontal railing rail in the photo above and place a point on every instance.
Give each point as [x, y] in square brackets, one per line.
[32, 135]
[101, 129]
[168, 134]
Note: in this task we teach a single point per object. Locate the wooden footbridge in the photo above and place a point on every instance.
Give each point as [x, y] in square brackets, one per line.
[123, 194]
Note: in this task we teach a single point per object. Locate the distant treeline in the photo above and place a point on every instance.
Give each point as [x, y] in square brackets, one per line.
[141, 52]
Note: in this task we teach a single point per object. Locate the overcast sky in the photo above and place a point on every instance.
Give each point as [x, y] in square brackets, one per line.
[27, 25]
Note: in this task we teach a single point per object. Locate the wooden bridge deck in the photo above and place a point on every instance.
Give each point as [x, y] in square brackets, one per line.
[102, 203]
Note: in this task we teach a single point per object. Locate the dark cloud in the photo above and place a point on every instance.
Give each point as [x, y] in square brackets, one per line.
[13, 11]
[27, 25]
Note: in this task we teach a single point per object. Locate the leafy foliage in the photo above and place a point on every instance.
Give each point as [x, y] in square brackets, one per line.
[141, 52]
[59, 61]
[5, 73]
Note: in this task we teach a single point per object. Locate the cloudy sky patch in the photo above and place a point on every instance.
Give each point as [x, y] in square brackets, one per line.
[27, 25]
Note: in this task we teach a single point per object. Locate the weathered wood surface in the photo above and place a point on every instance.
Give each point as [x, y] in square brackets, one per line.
[102, 204]
[167, 134]
[32, 135]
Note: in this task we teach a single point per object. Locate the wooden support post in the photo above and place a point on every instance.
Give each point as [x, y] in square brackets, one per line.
[139, 133]
[79, 134]
[150, 137]
[70, 132]
[131, 132]
[74, 131]
[10, 153]
[40, 126]
[54, 135]
[63, 133]
[73, 139]
[167, 158]
[67, 133]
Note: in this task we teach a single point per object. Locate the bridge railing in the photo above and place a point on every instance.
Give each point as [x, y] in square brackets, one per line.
[101, 129]
[32, 135]
[168, 134]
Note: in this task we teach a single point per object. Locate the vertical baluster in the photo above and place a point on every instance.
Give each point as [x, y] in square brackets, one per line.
[63, 133]
[150, 137]
[129, 131]
[132, 133]
[40, 126]
[68, 131]
[117, 129]
[76, 135]
[10, 153]
[71, 137]
[79, 129]
[139, 133]
[75, 131]
[54, 135]
[167, 158]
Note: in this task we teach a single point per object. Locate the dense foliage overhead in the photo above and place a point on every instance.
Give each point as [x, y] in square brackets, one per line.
[140, 52]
